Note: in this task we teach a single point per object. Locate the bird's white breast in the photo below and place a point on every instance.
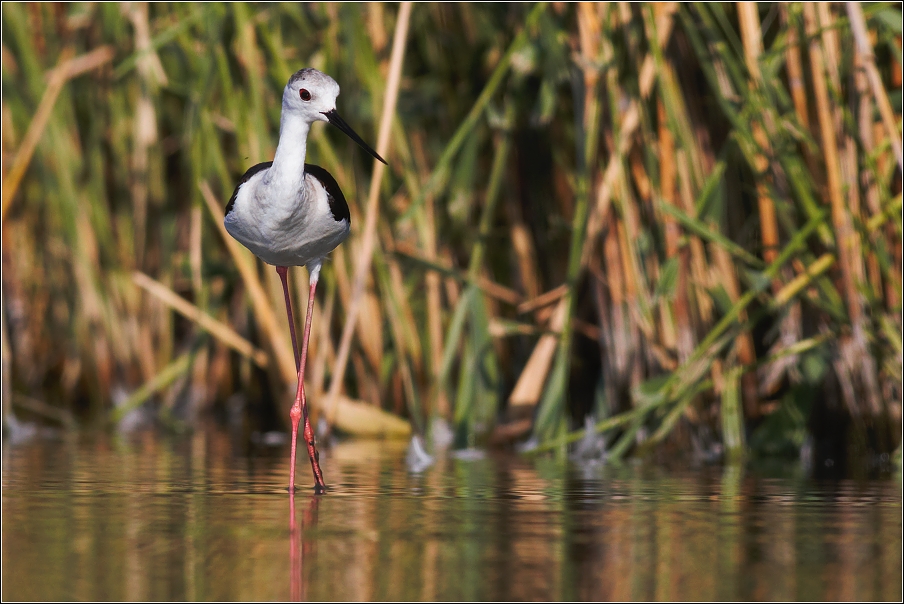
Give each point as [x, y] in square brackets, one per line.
[289, 227]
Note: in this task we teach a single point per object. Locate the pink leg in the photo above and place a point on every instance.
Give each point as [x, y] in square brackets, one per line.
[282, 271]
[299, 408]
[320, 487]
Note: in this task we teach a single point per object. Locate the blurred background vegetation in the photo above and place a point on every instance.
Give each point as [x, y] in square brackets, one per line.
[674, 226]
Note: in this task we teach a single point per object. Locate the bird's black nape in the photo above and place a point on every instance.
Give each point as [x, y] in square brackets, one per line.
[333, 117]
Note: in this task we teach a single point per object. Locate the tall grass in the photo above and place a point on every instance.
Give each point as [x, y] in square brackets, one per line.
[680, 221]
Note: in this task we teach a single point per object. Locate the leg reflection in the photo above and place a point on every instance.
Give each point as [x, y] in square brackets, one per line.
[301, 545]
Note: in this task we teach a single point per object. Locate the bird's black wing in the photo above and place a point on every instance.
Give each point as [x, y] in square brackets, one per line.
[338, 205]
[245, 178]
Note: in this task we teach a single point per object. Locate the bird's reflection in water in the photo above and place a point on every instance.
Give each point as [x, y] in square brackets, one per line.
[299, 547]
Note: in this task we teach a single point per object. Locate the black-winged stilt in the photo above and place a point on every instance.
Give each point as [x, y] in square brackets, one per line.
[289, 213]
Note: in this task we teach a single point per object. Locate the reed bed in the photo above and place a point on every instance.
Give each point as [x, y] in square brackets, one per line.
[677, 226]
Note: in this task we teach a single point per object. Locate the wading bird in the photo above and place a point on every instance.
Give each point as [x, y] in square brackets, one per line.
[289, 213]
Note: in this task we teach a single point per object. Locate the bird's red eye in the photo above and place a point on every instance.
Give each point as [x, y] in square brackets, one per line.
[305, 95]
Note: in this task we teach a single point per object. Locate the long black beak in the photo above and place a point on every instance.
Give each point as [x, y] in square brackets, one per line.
[337, 121]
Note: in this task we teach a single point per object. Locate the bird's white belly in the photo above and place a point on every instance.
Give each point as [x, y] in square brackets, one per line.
[286, 236]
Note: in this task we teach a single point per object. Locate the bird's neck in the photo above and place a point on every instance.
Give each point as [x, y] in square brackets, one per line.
[287, 171]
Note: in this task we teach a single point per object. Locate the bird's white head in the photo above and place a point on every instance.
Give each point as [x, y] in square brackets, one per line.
[310, 94]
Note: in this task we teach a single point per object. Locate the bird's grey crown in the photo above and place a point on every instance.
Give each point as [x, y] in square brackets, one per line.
[310, 76]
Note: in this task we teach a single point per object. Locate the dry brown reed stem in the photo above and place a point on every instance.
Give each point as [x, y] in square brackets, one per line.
[693, 160]
[701, 279]
[57, 79]
[191, 312]
[523, 248]
[676, 324]
[832, 160]
[847, 147]
[542, 300]
[629, 234]
[66, 69]
[634, 293]
[798, 87]
[677, 328]
[625, 244]
[861, 37]
[529, 386]
[195, 255]
[370, 227]
[867, 176]
[752, 37]
[854, 366]
[831, 46]
[438, 403]
[618, 342]
[589, 23]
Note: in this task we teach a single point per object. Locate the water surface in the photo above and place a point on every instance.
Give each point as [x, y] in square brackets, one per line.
[198, 518]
